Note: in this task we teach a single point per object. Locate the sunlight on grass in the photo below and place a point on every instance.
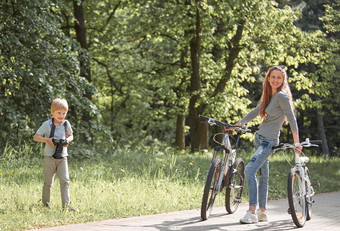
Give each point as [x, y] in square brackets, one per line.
[127, 183]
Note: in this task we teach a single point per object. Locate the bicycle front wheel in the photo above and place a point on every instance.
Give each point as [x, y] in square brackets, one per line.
[296, 198]
[210, 191]
[233, 196]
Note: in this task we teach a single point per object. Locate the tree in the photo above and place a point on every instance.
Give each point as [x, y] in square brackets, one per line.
[317, 104]
[329, 74]
[84, 59]
[38, 64]
[249, 38]
[156, 63]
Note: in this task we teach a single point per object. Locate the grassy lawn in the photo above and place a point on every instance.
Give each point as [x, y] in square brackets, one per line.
[126, 183]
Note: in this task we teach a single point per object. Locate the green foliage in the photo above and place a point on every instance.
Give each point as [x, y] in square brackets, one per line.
[329, 76]
[136, 65]
[140, 58]
[319, 82]
[39, 63]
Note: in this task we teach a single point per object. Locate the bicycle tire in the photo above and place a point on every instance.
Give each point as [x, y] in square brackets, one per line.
[210, 193]
[309, 199]
[233, 195]
[296, 199]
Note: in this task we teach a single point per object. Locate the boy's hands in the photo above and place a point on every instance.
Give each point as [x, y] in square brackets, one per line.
[50, 142]
[69, 139]
[40, 138]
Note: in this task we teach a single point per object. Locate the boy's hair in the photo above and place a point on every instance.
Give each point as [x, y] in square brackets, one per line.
[59, 104]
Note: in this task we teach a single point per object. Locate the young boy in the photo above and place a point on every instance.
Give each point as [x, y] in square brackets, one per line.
[57, 134]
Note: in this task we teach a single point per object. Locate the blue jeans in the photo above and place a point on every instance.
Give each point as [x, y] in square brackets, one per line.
[259, 164]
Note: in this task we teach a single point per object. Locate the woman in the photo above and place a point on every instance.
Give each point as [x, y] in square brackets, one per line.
[275, 108]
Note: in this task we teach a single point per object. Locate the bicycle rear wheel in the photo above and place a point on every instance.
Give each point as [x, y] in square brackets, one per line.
[296, 198]
[233, 196]
[210, 191]
[309, 198]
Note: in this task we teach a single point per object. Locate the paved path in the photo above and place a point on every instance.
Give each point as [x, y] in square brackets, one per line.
[326, 216]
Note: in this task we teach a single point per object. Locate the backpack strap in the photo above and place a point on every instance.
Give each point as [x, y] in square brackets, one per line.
[65, 127]
[53, 128]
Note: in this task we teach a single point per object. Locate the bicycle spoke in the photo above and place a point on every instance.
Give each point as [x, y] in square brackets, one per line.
[210, 191]
[297, 198]
[234, 191]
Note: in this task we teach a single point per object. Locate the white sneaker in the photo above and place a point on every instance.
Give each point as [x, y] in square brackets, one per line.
[261, 216]
[249, 218]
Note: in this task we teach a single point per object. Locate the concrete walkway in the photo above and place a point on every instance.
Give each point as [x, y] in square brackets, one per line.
[326, 216]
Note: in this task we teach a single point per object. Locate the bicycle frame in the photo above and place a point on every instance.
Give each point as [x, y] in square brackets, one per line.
[300, 164]
[229, 155]
[225, 169]
[304, 189]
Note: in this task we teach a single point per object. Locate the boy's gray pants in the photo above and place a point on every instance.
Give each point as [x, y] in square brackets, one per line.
[51, 167]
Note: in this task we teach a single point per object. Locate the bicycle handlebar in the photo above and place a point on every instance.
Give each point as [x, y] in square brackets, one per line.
[212, 122]
[307, 143]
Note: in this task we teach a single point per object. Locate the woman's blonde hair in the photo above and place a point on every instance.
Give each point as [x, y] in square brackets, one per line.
[59, 104]
[267, 90]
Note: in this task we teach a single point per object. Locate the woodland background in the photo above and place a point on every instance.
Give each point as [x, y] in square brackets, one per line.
[141, 71]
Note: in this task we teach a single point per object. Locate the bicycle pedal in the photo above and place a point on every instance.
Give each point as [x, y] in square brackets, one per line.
[310, 202]
[288, 211]
[316, 184]
[238, 200]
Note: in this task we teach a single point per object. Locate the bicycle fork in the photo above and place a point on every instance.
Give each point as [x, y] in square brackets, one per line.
[306, 188]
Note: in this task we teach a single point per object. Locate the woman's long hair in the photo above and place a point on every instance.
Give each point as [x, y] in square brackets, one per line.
[267, 91]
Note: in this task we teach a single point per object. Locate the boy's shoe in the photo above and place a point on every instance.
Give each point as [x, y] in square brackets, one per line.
[69, 209]
[249, 218]
[261, 216]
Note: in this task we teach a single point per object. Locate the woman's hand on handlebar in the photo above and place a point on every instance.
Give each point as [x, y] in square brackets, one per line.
[233, 128]
[298, 149]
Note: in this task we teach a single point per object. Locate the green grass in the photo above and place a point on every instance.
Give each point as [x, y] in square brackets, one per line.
[124, 183]
[326, 171]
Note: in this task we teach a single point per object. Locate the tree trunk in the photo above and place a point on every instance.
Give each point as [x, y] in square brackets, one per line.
[67, 30]
[180, 134]
[84, 61]
[322, 133]
[321, 127]
[180, 125]
[203, 133]
[198, 131]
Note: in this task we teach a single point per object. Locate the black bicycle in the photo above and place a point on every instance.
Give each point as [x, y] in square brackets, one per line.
[226, 171]
[300, 189]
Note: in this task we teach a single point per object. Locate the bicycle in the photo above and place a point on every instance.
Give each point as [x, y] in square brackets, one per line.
[226, 171]
[300, 189]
